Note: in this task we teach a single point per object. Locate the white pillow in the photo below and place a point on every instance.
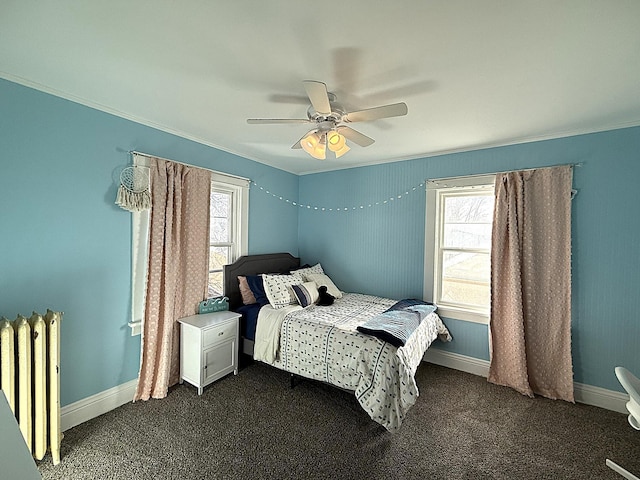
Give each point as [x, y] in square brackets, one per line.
[306, 293]
[317, 268]
[322, 279]
[278, 289]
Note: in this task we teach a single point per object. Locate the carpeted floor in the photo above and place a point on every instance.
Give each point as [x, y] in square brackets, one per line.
[255, 426]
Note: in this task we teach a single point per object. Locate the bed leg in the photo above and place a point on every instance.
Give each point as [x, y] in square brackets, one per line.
[293, 380]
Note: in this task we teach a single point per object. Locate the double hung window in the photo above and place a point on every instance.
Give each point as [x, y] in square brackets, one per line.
[228, 228]
[458, 246]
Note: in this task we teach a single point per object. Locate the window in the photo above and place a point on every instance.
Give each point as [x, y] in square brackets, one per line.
[228, 237]
[458, 246]
[228, 228]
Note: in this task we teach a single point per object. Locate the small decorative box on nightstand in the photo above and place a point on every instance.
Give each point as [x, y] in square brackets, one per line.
[208, 347]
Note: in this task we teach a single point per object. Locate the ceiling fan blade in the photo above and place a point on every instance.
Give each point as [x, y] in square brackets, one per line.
[393, 110]
[295, 99]
[355, 136]
[317, 92]
[254, 121]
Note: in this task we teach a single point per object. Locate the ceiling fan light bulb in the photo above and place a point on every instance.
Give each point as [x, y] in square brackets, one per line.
[319, 152]
[336, 141]
[345, 148]
[309, 143]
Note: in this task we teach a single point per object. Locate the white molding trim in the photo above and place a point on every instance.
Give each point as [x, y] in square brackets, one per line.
[456, 361]
[601, 397]
[96, 405]
[587, 394]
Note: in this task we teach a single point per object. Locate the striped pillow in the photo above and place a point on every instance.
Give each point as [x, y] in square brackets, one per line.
[306, 293]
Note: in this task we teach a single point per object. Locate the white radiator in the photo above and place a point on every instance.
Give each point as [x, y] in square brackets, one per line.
[30, 378]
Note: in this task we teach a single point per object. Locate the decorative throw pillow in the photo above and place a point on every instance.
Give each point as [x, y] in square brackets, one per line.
[317, 268]
[247, 295]
[306, 293]
[322, 279]
[256, 284]
[278, 289]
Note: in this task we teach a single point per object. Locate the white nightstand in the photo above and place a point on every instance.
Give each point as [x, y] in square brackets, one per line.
[208, 347]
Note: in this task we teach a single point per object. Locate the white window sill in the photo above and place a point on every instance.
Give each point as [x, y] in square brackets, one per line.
[136, 328]
[465, 315]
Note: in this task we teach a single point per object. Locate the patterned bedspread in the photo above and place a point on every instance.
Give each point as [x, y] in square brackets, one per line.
[322, 343]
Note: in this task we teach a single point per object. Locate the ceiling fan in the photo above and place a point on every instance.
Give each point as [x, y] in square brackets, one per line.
[329, 122]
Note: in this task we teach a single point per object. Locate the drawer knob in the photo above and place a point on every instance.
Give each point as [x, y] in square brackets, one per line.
[220, 334]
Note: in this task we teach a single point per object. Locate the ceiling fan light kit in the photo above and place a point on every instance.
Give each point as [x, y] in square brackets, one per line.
[330, 118]
[316, 144]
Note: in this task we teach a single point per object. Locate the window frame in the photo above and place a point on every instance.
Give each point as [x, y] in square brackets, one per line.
[238, 188]
[437, 191]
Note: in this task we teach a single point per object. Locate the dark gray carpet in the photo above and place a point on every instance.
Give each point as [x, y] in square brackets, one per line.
[255, 426]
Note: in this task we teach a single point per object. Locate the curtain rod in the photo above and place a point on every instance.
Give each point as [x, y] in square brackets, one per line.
[135, 152]
[505, 171]
[436, 181]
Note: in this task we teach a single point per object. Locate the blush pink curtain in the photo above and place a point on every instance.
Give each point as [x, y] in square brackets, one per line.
[530, 326]
[177, 271]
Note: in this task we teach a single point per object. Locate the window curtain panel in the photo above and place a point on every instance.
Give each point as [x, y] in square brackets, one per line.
[530, 326]
[177, 271]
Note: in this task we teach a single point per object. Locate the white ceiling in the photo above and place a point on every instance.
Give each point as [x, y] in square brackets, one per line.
[474, 73]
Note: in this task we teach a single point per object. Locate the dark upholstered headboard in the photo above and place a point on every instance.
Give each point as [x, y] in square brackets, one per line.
[253, 265]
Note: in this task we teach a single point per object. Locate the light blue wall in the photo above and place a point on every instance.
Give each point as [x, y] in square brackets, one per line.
[65, 245]
[380, 250]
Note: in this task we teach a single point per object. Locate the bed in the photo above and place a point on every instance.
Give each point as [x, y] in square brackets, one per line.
[325, 342]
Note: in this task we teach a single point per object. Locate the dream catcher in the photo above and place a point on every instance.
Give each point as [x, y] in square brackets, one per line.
[133, 192]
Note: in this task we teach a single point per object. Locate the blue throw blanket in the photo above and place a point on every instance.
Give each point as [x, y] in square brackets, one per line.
[396, 324]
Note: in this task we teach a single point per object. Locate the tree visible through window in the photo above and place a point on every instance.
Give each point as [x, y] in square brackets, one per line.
[221, 239]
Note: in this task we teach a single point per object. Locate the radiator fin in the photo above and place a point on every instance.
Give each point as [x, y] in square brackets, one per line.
[7, 362]
[25, 397]
[53, 320]
[39, 375]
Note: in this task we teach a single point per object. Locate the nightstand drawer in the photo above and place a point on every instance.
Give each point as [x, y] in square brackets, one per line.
[219, 333]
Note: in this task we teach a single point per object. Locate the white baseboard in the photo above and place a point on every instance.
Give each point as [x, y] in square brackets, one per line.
[96, 405]
[457, 361]
[601, 397]
[587, 394]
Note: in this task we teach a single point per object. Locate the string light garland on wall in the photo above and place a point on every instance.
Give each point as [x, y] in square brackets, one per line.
[383, 202]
